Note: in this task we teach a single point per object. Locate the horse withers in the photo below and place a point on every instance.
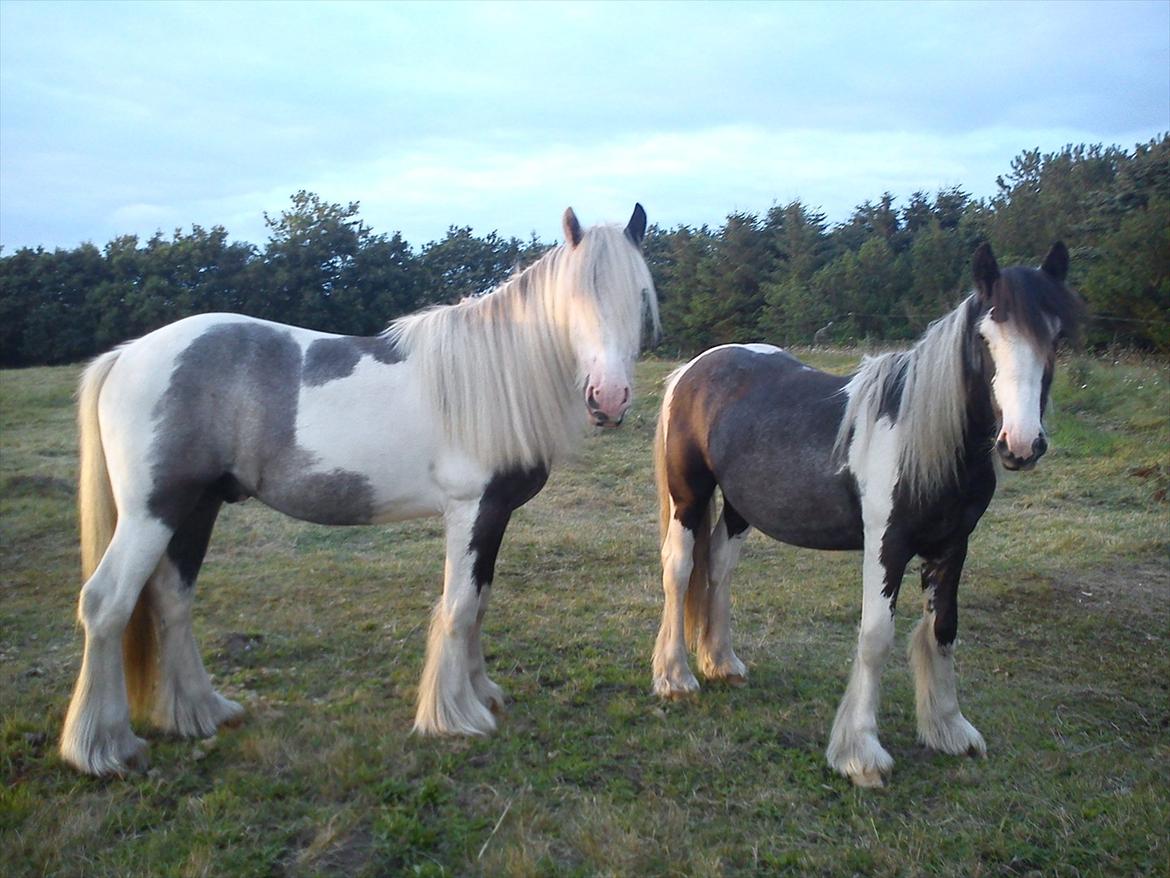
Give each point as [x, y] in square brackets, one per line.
[456, 411]
[896, 460]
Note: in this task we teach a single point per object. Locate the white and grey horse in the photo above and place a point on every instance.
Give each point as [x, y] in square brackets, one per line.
[897, 460]
[456, 411]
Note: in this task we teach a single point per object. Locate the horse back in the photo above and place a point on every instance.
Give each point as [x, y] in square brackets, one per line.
[765, 424]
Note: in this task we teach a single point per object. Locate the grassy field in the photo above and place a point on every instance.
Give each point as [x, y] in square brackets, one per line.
[1064, 667]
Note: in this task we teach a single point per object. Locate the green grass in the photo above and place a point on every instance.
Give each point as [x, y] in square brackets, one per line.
[1064, 625]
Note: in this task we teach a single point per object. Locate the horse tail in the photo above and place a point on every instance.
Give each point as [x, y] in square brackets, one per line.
[97, 513]
[98, 517]
[695, 607]
[660, 480]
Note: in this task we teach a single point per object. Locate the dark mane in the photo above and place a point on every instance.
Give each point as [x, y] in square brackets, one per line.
[1030, 298]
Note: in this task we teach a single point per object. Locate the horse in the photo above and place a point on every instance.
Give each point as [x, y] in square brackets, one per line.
[459, 411]
[896, 460]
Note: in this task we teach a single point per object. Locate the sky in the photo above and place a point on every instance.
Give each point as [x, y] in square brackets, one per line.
[129, 118]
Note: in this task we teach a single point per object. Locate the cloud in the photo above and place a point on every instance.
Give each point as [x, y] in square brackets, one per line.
[114, 118]
[683, 177]
[137, 216]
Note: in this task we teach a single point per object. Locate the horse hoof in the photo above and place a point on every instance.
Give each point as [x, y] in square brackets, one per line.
[671, 691]
[735, 681]
[871, 778]
[490, 695]
[126, 754]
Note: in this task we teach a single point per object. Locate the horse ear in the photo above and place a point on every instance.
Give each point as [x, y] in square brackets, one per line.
[1056, 262]
[573, 233]
[985, 269]
[636, 227]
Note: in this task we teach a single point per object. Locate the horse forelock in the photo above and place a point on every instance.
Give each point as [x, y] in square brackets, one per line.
[611, 267]
[1040, 307]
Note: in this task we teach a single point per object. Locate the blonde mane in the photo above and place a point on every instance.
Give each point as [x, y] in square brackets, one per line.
[927, 385]
[503, 367]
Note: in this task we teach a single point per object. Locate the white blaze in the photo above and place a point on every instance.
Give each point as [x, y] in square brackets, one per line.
[1018, 384]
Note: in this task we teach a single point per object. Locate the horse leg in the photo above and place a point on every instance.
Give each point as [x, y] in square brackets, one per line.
[854, 749]
[672, 673]
[485, 689]
[504, 494]
[717, 660]
[941, 725]
[97, 738]
[447, 700]
[185, 702]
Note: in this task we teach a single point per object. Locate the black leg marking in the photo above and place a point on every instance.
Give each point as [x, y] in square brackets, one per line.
[736, 523]
[894, 557]
[942, 575]
[188, 546]
[504, 494]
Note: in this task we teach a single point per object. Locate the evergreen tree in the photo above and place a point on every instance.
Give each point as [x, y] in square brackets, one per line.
[787, 277]
[673, 258]
[728, 297]
[800, 240]
[309, 261]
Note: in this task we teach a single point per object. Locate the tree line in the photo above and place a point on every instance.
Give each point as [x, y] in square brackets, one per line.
[786, 276]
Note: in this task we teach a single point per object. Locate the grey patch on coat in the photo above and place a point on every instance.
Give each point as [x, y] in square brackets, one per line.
[329, 359]
[231, 410]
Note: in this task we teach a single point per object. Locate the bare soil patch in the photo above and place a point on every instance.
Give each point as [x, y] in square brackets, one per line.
[1142, 588]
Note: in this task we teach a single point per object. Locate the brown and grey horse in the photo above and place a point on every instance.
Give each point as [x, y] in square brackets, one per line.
[896, 460]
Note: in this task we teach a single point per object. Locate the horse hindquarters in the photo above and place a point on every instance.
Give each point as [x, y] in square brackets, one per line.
[685, 530]
[96, 737]
[125, 620]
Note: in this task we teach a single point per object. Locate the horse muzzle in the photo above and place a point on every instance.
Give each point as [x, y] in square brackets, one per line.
[607, 404]
[1016, 462]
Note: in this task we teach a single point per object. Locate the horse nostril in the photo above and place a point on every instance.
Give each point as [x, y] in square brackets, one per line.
[1039, 446]
[1001, 445]
[591, 399]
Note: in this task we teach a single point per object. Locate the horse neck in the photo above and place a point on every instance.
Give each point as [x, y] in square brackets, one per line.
[501, 371]
[938, 410]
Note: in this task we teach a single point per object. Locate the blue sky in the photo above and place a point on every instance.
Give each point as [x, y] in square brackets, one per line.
[120, 118]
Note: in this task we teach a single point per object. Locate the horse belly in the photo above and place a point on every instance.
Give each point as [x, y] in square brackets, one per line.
[772, 453]
[811, 517]
[364, 452]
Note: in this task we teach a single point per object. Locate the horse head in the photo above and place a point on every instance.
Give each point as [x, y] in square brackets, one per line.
[611, 290]
[1026, 311]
